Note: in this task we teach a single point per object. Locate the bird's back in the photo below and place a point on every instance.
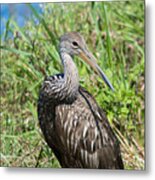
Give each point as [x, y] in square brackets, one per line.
[79, 133]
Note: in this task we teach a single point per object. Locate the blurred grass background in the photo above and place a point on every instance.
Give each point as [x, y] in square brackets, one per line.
[114, 32]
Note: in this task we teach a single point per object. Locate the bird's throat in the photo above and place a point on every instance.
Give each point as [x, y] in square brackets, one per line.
[71, 78]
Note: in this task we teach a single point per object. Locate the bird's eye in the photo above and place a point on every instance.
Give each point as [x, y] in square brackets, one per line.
[75, 44]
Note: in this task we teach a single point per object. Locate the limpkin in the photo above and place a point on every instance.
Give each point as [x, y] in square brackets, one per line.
[74, 126]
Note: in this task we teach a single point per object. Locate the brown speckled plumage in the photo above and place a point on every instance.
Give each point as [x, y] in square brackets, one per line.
[74, 126]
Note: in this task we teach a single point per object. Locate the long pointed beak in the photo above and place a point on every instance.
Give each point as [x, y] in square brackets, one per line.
[90, 59]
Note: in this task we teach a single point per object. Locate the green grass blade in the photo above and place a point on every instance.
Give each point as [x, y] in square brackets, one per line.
[16, 51]
[36, 14]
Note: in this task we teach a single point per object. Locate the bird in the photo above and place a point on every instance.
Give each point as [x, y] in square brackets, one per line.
[73, 125]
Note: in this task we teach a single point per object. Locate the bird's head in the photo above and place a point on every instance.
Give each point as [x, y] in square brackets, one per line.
[73, 43]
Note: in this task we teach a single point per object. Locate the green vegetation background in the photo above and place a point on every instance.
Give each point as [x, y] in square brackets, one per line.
[114, 32]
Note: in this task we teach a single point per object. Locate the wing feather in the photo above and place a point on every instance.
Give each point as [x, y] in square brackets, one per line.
[87, 136]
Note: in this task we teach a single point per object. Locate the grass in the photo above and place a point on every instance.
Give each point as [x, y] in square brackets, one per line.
[114, 32]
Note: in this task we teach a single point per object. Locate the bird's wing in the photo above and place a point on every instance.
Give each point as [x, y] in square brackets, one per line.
[88, 136]
[104, 143]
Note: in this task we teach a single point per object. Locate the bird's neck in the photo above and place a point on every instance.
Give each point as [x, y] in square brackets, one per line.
[71, 78]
